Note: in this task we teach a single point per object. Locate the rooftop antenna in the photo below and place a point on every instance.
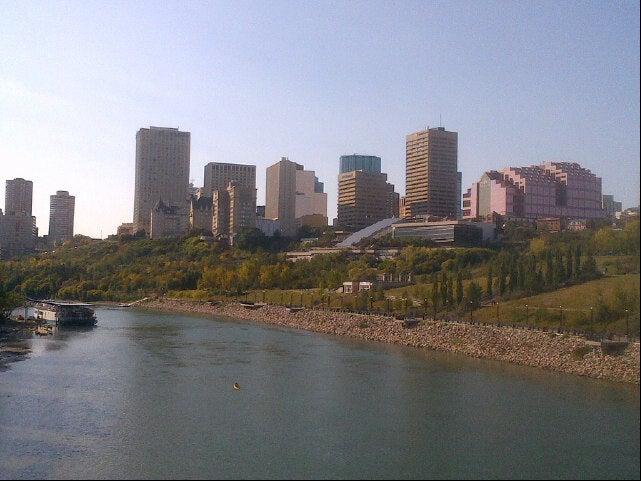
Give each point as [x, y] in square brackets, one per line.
[440, 121]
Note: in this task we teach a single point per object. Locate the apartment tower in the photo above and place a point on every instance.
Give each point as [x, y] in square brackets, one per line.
[18, 197]
[432, 173]
[162, 172]
[61, 215]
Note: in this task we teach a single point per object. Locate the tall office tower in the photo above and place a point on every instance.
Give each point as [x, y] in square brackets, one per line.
[233, 209]
[311, 201]
[61, 213]
[281, 194]
[432, 173]
[162, 172]
[459, 195]
[365, 198]
[366, 163]
[18, 197]
[218, 175]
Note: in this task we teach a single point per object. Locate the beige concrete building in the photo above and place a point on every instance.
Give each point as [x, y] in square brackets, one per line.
[162, 173]
[311, 201]
[167, 221]
[218, 175]
[281, 194]
[233, 209]
[365, 198]
[18, 197]
[294, 196]
[61, 216]
[432, 179]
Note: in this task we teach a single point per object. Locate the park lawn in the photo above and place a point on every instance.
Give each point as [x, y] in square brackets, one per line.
[422, 290]
[569, 305]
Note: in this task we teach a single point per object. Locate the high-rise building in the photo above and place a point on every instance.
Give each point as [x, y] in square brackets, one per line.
[365, 198]
[162, 172]
[611, 206]
[281, 194]
[311, 201]
[61, 215]
[218, 175]
[553, 189]
[233, 209]
[18, 197]
[366, 163]
[432, 173]
[17, 235]
[294, 196]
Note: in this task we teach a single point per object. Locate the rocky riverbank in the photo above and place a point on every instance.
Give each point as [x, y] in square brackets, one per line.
[563, 353]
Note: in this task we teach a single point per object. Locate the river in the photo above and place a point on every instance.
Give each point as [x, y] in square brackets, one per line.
[146, 395]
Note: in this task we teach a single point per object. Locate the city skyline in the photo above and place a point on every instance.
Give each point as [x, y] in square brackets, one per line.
[574, 98]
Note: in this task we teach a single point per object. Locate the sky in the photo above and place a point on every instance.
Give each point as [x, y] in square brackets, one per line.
[521, 82]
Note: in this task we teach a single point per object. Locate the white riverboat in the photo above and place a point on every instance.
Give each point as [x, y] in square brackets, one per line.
[65, 313]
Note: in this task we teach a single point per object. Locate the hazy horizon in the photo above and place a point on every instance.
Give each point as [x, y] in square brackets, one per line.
[522, 83]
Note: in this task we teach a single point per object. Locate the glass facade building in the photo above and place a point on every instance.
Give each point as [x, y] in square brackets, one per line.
[366, 163]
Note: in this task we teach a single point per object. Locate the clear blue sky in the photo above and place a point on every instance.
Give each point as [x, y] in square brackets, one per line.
[522, 82]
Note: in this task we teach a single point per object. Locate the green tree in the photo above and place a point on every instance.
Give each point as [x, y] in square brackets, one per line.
[489, 282]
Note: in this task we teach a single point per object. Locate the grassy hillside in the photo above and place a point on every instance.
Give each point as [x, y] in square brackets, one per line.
[598, 305]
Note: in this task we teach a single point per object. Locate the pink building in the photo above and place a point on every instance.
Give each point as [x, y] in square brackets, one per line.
[554, 189]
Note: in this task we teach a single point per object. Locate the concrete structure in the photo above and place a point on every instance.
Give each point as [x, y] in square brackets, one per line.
[366, 163]
[293, 193]
[281, 195]
[610, 206]
[242, 208]
[61, 216]
[432, 173]
[17, 235]
[377, 229]
[18, 197]
[365, 198]
[233, 209]
[311, 201]
[260, 211]
[218, 175]
[162, 173]
[200, 214]
[168, 221]
[553, 189]
[126, 228]
[454, 233]
[353, 287]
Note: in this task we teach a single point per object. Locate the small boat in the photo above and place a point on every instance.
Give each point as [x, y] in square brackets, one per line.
[295, 309]
[236, 386]
[252, 305]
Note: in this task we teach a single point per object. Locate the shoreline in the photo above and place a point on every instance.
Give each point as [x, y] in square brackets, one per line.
[565, 353]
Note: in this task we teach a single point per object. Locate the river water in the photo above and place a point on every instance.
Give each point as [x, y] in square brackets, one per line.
[145, 395]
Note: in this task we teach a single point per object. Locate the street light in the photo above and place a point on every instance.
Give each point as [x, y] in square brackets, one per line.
[561, 307]
[527, 314]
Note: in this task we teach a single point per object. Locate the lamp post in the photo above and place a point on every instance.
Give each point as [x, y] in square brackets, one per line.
[498, 312]
[627, 324]
[561, 324]
[591, 315]
[527, 314]
[471, 311]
